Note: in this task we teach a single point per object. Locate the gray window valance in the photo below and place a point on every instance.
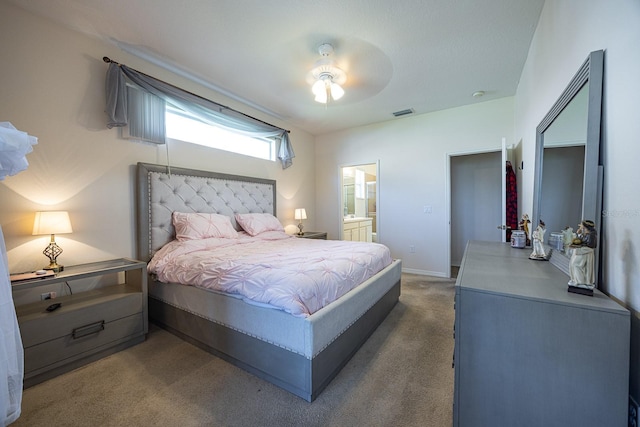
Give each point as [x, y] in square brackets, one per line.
[119, 109]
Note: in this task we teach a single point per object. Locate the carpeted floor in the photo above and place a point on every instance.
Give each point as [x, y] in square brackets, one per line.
[401, 376]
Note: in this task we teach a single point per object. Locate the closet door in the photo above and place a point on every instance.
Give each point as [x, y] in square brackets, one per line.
[476, 200]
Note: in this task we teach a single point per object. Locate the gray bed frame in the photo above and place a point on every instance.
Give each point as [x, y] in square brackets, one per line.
[206, 191]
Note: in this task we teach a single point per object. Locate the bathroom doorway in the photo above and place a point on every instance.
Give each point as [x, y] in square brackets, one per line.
[359, 202]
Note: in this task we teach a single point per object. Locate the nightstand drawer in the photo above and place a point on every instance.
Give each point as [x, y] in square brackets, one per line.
[79, 342]
[39, 326]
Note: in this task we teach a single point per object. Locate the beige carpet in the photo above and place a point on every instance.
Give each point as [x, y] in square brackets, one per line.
[402, 376]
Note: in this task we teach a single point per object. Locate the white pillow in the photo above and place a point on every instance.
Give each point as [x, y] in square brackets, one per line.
[192, 226]
[256, 223]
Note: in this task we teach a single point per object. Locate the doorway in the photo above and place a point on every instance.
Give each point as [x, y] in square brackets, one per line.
[475, 201]
[359, 195]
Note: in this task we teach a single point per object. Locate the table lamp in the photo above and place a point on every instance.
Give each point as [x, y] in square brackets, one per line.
[52, 222]
[300, 214]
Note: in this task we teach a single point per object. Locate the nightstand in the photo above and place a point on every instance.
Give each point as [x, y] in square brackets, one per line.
[88, 325]
[322, 235]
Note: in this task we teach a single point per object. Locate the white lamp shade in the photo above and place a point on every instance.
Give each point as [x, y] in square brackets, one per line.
[321, 98]
[324, 87]
[300, 214]
[319, 88]
[52, 222]
[336, 91]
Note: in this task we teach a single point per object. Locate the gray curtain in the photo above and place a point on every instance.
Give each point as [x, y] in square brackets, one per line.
[116, 97]
[146, 116]
[207, 111]
[285, 152]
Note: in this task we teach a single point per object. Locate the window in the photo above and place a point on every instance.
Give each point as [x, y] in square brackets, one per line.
[359, 184]
[183, 127]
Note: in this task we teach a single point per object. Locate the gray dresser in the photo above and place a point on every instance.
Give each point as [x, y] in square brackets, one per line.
[529, 353]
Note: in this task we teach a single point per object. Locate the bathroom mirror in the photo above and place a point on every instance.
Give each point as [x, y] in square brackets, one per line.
[568, 174]
[359, 201]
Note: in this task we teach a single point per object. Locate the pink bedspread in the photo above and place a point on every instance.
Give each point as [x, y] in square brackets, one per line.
[297, 275]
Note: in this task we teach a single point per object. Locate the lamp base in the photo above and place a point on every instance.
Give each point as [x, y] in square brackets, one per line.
[300, 233]
[56, 268]
[53, 251]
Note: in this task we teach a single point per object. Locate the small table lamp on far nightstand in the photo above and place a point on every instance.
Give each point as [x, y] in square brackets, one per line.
[300, 214]
[52, 222]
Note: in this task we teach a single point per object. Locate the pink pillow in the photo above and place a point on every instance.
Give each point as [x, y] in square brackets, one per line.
[192, 226]
[256, 223]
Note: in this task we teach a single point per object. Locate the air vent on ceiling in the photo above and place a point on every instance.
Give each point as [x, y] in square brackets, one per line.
[403, 112]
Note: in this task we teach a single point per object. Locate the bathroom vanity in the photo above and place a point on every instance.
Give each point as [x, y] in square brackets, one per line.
[358, 229]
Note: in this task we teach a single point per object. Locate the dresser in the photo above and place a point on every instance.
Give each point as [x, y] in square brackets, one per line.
[529, 353]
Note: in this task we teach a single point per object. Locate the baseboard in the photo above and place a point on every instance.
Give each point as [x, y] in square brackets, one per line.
[425, 272]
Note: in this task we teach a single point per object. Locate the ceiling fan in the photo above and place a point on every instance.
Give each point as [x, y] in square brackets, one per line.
[329, 78]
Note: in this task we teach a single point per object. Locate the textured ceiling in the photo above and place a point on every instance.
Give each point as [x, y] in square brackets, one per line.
[426, 55]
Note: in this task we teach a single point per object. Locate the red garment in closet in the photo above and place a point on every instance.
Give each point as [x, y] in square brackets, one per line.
[512, 200]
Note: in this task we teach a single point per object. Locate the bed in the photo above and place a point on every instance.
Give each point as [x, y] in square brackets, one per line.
[299, 353]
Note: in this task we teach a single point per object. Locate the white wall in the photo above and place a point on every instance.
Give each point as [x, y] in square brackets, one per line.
[413, 168]
[52, 86]
[568, 30]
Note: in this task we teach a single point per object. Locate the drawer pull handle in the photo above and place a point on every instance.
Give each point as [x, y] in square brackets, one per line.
[90, 329]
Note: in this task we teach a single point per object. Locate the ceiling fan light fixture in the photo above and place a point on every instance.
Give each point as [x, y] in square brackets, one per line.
[320, 91]
[328, 77]
[321, 98]
[319, 87]
[336, 91]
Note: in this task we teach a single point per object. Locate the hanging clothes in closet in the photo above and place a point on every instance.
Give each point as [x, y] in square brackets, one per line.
[512, 200]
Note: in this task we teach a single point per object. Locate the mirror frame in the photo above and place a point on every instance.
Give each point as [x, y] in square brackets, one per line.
[591, 73]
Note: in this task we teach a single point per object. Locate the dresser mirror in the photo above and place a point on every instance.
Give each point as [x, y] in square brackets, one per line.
[568, 174]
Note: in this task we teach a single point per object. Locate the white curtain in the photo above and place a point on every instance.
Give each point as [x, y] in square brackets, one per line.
[11, 351]
[14, 146]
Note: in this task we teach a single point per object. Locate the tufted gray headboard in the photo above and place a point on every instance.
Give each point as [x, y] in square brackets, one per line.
[189, 190]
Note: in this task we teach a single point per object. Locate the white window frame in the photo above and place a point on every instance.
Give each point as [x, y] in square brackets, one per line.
[183, 127]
